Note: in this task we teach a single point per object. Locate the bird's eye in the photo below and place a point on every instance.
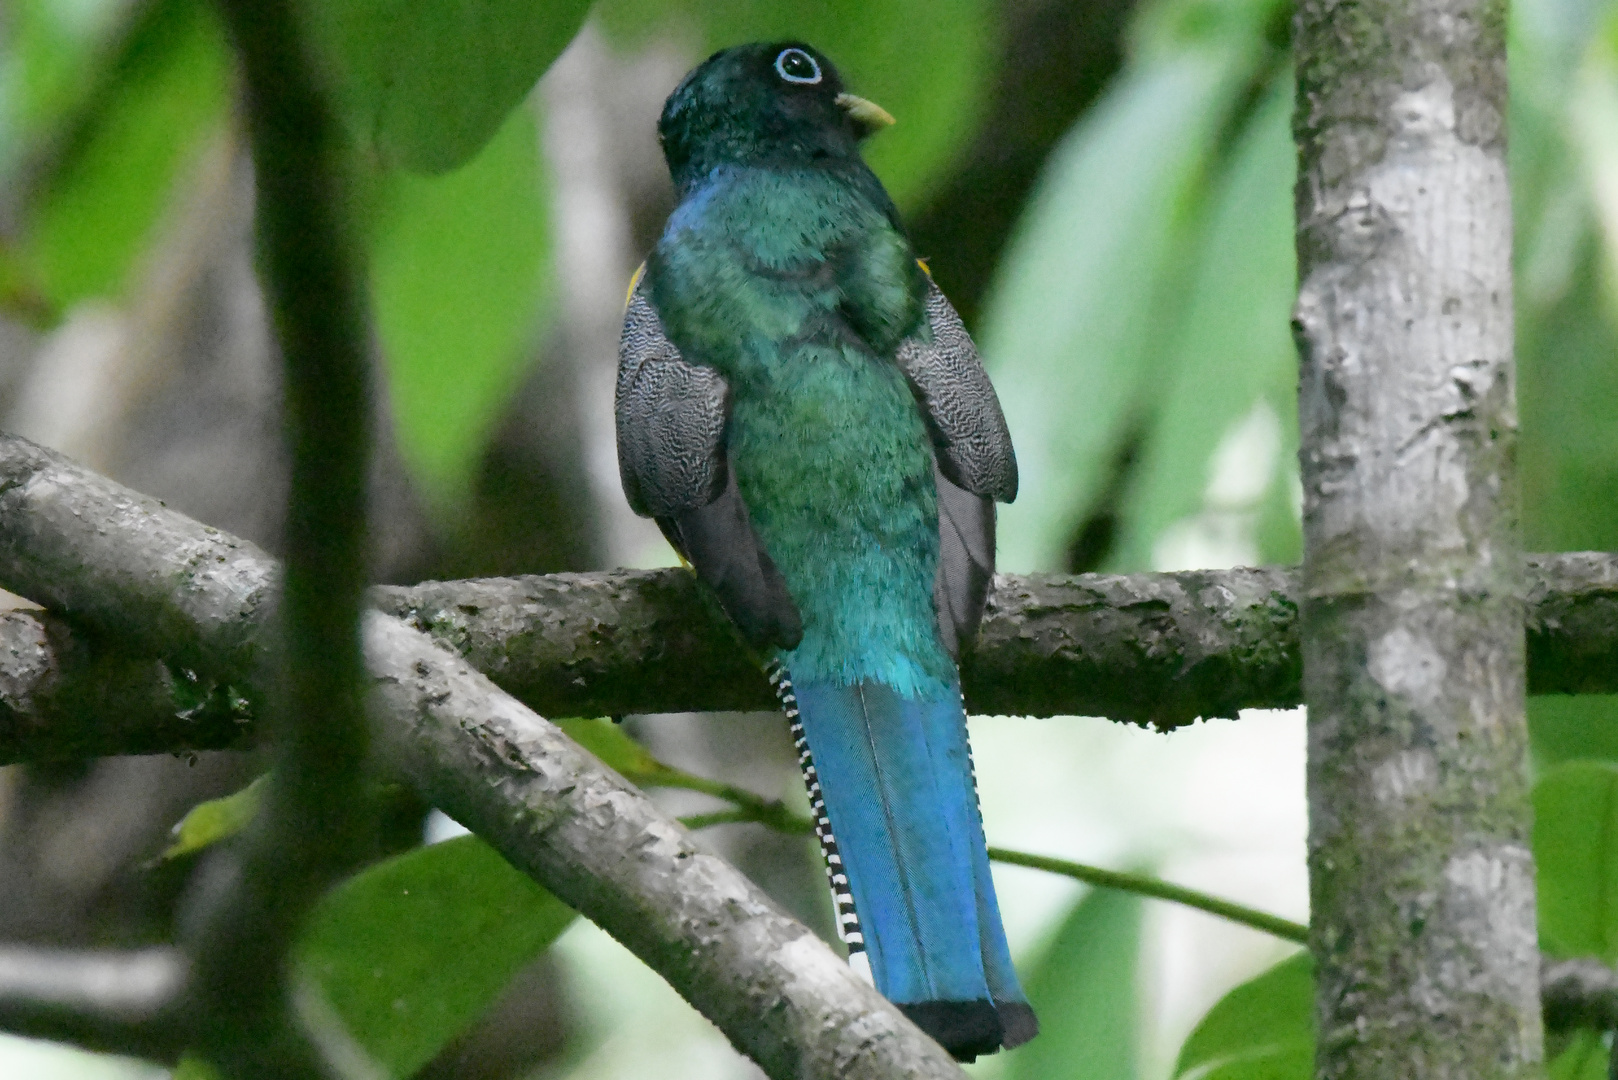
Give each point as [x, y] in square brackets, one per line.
[797, 66]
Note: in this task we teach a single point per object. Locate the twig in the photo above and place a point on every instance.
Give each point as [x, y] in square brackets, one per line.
[771, 813]
[306, 831]
[694, 822]
[1141, 885]
[749, 807]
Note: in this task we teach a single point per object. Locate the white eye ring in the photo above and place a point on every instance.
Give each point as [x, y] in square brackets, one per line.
[780, 67]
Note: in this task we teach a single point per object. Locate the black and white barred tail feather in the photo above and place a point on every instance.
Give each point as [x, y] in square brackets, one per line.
[848, 920]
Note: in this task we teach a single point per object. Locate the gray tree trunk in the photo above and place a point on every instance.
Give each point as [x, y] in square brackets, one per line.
[1421, 879]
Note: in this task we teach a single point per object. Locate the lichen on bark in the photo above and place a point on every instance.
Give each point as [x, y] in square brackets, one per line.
[1412, 607]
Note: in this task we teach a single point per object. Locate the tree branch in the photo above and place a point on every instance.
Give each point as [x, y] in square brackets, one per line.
[1148, 648]
[1158, 649]
[1421, 877]
[120, 1003]
[780, 994]
[1580, 993]
[67, 694]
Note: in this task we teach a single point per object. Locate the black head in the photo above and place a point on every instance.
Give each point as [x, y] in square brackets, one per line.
[760, 103]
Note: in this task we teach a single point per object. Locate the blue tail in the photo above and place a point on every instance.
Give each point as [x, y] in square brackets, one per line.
[897, 815]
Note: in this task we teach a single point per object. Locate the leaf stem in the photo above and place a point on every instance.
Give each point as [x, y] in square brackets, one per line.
[749, 807]
[1158, 890]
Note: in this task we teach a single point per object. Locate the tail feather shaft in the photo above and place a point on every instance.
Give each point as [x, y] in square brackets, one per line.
[896, 809]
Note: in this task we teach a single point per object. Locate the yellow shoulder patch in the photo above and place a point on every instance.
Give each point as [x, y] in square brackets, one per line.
[919, 262]
[634, 280]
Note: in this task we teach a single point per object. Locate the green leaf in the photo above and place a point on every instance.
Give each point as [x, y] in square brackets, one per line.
[1264, 1029]
[217, 819]
[46, 68]
[1567, 728]
[1584, 1059]
[1234, 347]
[876, 45]
[412, 950]
[113, 177]
[460, 285]
[1576, 856]
[1085, 990]
[191, 1067]
[1073, 319]
[426, 83]
[608, 741]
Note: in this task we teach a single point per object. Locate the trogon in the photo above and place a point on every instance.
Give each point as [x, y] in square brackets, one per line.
[804, 415]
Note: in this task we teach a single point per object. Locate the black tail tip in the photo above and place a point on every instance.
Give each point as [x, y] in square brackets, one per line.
[1018, 1022]
[969, 1028]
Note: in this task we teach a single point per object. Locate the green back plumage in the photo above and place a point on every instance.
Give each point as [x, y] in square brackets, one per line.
[784, 268]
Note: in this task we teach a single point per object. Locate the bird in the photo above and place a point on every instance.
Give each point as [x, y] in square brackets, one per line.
[802, 412]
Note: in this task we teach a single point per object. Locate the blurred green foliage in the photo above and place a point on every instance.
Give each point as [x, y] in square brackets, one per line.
[426, 83]
[1137, 331]
[926, 61]
[410, 951]
[460, 282]
[1100, 303]
[1576, 857]
[1262, 1030]
[216, 820]
[107, 171]
[1085, 988]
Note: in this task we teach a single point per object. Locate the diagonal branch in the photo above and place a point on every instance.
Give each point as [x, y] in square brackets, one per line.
[780, 994]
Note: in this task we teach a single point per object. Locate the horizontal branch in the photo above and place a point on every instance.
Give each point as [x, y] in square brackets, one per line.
[1148, 648]
[553, 811]
[67, 694]
[115, 1002]
[1581, 993]
[133, 1002]
[1159, 649]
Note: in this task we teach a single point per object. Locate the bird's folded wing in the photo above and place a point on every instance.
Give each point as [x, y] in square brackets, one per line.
[958, 402]
[975, 464]
[671, 418]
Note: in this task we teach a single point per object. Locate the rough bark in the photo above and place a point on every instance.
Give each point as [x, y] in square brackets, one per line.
[67, 695]
[776, 990]
[781, 995]
[1147, 648]
[1421, 878]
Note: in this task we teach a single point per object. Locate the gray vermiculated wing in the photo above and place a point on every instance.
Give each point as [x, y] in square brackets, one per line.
[965, 562]
[670, 417]
[719, 542]
[962, 412]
